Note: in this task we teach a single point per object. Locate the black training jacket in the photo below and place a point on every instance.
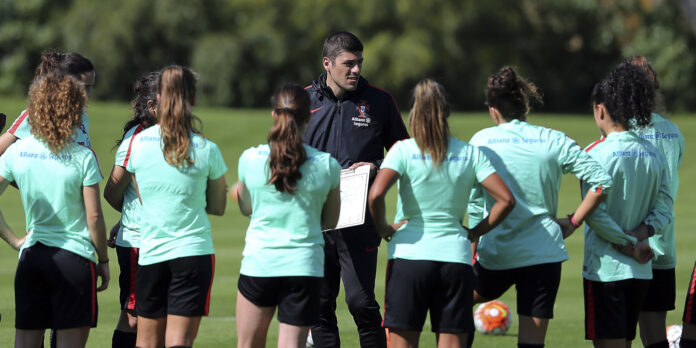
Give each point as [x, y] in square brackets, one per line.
[355, 128]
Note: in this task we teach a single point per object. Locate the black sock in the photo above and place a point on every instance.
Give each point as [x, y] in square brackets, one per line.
[527, 345]
[661, 344]
[122, 339]
[684, 343]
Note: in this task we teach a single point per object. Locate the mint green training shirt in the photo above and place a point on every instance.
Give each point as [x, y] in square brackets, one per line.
[531, 160]
[667, 138]
[174, 222]
[284, 236]
[21, 129]
[129, 232]
[434, 200]
[640, 194]
[51, 190]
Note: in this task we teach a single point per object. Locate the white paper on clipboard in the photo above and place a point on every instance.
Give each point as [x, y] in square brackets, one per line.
[353, 196]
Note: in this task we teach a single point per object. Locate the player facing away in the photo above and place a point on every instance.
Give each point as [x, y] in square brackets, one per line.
[429, 250]
[64, 250]
[179, 175]
[616, 267]
[355, 122]
[125, 235]
[69, 63]
[527, 249]
[667, 138]
[291, 193]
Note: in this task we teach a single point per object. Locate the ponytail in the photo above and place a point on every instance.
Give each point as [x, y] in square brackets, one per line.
[291, 111]
[428, 120]
[177, 94]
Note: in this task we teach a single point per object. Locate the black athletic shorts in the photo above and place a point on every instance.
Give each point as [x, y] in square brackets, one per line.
[179, 286]
[416, 286]
[296, 297]
[690, 304]
[612, 308]
[662, 291]
[128, 263]
[54, 288]
[537, 286]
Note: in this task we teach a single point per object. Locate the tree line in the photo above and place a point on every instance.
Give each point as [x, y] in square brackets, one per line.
[245, 49]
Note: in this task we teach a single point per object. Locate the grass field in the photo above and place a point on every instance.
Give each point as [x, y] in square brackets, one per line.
[235, 130]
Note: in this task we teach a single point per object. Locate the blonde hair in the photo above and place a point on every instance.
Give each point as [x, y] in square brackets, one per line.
[55, 108]
[177, 94]
[428, 120]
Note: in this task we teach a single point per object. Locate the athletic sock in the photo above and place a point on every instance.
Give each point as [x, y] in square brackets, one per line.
[122, 339]
[527, 345]
[661, 344]
[684, 343]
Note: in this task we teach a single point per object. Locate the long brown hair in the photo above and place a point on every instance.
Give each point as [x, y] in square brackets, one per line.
[56, 102]
[177, 95]
[428, 120]
[291, 109]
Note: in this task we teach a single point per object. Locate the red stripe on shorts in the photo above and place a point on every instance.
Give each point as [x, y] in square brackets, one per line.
[210, 288]
[94, 292]
[591, 334]
[133, 270]
[688, 315]
[18, 122]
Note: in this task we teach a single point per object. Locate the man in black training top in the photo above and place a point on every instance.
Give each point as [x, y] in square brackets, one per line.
[354, 122]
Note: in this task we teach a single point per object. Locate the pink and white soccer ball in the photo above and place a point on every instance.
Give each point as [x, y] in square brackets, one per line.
[492, 317]
[674, 335]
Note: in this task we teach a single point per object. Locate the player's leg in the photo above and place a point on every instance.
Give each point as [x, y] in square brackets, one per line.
[490, 284]
[409, 294]
[635, 294]
[660, 299]
[188, 298]
[32, 296]
[688, 337]
[29, 338]
[325, 333]
[537, 288]
[298, 310]
[450, 310]
[71, 338]
[151, 288]
[358, 259]
[256, 302]
[125, 332]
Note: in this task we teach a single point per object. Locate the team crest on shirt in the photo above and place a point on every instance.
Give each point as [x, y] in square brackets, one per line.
[363, 119]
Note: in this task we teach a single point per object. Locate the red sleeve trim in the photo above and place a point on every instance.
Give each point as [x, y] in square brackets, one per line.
[95, 157]
[18, 122]
[130, 145]
[595, 144]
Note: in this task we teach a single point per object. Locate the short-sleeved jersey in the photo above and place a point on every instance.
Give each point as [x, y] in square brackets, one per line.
[21, 128]
[531, 160]
[284, 237]
[434, 200]
[129, 232]
[640, 194]
[175, 223]
[667, 138]
[53, 203]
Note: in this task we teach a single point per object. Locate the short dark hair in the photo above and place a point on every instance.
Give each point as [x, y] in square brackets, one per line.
[341, 41]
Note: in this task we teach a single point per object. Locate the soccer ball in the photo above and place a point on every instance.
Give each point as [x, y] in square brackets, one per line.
[674, 335]
[492, 317]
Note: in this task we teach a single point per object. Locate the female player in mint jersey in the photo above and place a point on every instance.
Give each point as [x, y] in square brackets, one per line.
[291, 193]
[429, 250]
[527, 249]
[617, 268]
[125, 235]
[179, 175]
[70, 63]
[65, 248]
[667, 138]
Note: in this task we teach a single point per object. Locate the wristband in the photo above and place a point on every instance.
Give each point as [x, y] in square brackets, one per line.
[651, 231]
[105, 261]
[572, 220]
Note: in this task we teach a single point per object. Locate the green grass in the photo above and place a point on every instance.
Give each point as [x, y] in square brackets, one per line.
[235, 130]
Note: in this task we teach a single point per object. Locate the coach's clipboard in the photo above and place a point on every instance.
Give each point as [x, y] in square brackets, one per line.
[353, 196]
